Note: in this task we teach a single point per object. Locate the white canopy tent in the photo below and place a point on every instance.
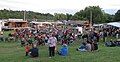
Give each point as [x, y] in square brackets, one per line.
[116, 24]
[98, 24]
[0, 25]
[41, 23]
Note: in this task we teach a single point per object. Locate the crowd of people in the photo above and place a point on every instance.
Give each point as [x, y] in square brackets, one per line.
[90, 41]
[31, 38]
[50, 37]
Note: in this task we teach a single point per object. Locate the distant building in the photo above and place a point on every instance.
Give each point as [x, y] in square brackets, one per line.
[15, 24]
[43, 24]
[78, 23]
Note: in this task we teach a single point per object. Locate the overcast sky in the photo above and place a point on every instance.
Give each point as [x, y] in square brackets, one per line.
[59, 6]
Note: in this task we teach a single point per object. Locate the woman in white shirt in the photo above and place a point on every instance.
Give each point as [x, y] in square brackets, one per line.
[52, 44]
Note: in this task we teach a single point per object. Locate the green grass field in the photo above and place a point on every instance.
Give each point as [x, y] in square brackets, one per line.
[13, 52]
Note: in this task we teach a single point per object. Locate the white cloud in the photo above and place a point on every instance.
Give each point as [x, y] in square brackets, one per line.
[65, 6]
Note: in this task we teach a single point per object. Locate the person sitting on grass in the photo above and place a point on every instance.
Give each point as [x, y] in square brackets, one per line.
[86, 46]
[82, 48]
[64, 50]
[30, 41]
[89, 46]
[110, 43]
[117, 43]
[34, 52]
[23, 41]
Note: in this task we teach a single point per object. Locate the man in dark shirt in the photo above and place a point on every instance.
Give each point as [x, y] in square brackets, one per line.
[34, 52]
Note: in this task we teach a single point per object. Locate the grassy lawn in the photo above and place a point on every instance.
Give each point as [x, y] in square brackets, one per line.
[13, 52]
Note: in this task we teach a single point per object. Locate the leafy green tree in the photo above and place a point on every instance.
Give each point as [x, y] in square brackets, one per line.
[98, 16]
[69, 16]
[59, 16]
[6, 14]
[109, 18]
[117, 16]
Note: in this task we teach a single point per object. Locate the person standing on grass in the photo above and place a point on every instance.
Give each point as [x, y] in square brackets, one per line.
[104, 35]
[27, 49]
[52, 44]
[1, 36]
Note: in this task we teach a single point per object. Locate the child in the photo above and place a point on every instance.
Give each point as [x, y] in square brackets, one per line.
[27, 49]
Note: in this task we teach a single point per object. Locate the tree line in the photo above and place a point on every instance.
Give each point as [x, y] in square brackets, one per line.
[6, 14]
[94, 13]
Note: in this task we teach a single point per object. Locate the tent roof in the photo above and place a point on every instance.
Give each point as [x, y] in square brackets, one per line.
[98, 24]
[40, 22]
[116, 24]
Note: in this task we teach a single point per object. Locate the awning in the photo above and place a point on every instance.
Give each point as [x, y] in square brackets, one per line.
[116, 24]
